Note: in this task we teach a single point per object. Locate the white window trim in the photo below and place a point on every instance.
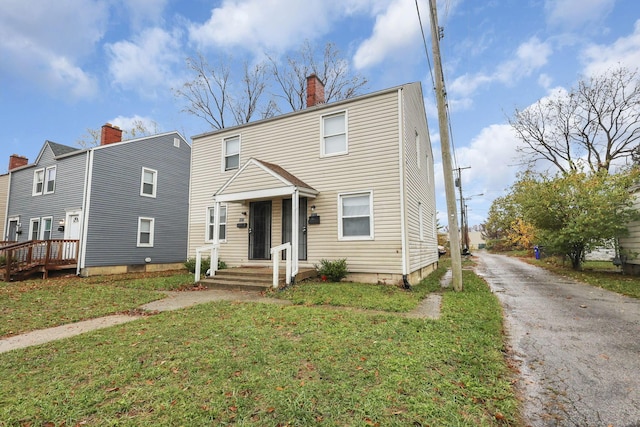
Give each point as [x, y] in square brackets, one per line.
[224, 152]
[151, 232]
[371, 221]
[155, 182]
[346, 134]
[418, 150]
[43, 221]
[31, 222]
[207, 216]
[46, 180]
[35, 192]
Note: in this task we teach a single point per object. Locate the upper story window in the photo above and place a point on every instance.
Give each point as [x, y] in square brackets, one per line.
[145, 231]
[222, 230]
[50, 180]
[418, 155]
[355, 216]
[148, 182]
[38, 182]
[231, 153]
[334, 134]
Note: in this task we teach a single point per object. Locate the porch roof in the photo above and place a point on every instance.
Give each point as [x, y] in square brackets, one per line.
[257, 179]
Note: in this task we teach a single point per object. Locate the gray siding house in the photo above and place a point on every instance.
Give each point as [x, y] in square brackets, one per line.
[125, 201]
[352, 179]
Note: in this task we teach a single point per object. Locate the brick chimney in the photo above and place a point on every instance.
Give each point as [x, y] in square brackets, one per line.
[15, 161]
[315, 91]
[110, 134]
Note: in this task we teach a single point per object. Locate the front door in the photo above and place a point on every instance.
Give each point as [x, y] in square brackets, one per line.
[260, 230]
[12, 233]
[71, 232]
[302, 226]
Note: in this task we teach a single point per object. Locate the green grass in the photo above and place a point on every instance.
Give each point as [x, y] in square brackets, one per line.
[257, 364]
[363, 295]
[37, 304]
[602, 274]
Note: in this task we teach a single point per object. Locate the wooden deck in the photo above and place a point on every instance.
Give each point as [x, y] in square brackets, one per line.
[19, 260]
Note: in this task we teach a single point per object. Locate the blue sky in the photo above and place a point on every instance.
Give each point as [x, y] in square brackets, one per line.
[72, 65]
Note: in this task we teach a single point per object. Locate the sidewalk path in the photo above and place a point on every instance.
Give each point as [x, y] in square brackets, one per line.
[428, 308]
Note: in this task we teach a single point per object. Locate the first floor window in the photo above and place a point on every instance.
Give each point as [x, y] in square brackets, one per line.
[145, 232]
[34, 229]
[222, 233]
[356, 216]
[421, 221]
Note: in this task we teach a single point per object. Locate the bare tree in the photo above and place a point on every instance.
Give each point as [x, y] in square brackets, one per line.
[137, 129]
[245, 105]
[333, 70]
[589, 126]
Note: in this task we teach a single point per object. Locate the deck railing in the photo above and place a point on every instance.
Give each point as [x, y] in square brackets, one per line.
[38, 255]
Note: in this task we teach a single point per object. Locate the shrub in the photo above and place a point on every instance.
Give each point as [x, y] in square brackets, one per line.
[190, 265]
[333, 271]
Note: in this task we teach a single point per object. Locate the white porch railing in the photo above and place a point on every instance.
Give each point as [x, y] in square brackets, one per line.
[275, 256]
[213, 258]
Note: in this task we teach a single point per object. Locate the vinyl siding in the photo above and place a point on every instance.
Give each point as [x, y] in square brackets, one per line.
[293, 142]
[66, 197]
[4, 193]
[116, 203]
[419, 182]
[253, 177]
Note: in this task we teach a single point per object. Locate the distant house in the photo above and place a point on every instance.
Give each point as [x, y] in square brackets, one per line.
[352, 179]
[4, 192]
[125, 202]
[630, 245]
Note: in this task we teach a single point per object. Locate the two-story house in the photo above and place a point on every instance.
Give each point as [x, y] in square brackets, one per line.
[352, 179]
[124, 202]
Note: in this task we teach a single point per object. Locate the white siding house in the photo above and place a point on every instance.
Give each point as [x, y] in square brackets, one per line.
[361, 171]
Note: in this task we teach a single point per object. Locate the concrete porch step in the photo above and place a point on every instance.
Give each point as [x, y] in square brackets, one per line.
[250, 278]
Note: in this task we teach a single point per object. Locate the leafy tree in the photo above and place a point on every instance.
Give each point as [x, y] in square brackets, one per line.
[590, 126]
[497, 229]
[576, 212]
[521, 234]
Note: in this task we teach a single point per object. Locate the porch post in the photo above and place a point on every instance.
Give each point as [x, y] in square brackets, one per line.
[295, 225]
[213, 258]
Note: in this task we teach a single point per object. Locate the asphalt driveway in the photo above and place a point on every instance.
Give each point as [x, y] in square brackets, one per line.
[577, 346]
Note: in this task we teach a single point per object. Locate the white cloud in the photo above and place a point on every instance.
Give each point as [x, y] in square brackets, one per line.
[624, 51]
[142, 12]
[259, 25]
[146, 62]
[133, 122]
[571, 14]
[529, 57]
[45, 42]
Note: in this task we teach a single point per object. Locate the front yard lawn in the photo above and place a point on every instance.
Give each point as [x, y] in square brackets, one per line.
[259, 364]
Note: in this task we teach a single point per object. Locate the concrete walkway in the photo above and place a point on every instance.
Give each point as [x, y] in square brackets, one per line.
[429, 308]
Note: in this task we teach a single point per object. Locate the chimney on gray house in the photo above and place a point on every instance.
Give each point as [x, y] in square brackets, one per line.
[315, 91]
[110, 134]
[15, 161]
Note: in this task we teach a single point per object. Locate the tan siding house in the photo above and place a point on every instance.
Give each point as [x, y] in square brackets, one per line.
[630, 245]
[354, 178]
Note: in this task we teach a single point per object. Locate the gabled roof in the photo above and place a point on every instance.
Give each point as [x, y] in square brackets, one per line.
[59, 149]
[274, 181]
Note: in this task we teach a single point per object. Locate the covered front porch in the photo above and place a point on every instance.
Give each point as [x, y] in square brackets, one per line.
[273, 223]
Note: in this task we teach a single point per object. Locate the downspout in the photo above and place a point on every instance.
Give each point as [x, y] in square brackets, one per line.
[295, 225]
[401, 168]
[86, 202]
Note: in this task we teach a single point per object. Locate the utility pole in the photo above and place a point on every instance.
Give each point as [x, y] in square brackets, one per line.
[463, 212]
[454, 238]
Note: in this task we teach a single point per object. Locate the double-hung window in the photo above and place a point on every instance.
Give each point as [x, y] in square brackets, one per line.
[50, 180]
[38, 182]
[148, 182]
[356, 216]
[34, 228]
[334, 134]
[222, 229]
[145, 232]
[232, 153]
[47, 223]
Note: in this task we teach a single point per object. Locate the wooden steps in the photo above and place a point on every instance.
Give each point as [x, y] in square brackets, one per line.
[250, 278]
